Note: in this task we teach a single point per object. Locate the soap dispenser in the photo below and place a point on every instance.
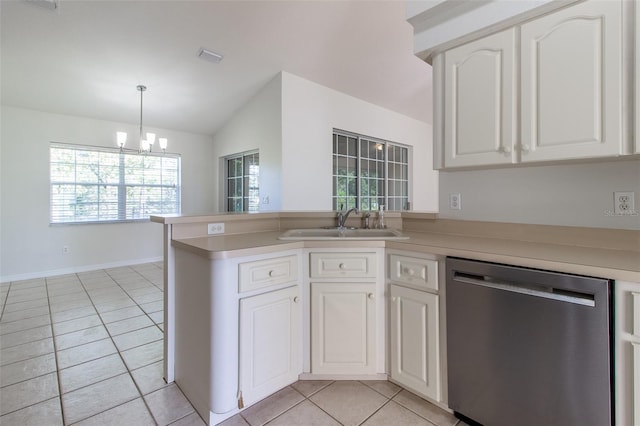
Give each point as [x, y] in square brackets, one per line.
[381, 224]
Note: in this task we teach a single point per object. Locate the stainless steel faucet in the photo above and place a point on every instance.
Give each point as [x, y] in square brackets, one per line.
[342, 217]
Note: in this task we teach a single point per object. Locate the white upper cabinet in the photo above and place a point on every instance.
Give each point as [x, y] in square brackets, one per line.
[479, 101]
[550, 89]
[571, 76]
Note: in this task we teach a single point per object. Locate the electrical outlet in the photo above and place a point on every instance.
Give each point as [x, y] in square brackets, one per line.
[65, 250]
[455, 201]
[623, 203]
[215, 228]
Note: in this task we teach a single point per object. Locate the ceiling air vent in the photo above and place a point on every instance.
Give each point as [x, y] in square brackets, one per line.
[47, 4]
[209, 55]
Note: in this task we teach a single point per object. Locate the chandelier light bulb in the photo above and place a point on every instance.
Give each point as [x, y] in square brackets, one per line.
[121, 139]
[146, 142]
[151, 137]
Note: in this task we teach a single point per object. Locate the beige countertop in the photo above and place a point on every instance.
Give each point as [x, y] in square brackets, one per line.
[600, 262]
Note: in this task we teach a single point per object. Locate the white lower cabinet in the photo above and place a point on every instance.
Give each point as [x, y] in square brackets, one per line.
[627, 353]
[415, 361]
[343, 328]
[269, 343]
[238, 329]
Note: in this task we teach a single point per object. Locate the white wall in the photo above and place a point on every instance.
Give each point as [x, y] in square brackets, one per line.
[310, 112]
[29, 245]
[257, 125]
[563, 194]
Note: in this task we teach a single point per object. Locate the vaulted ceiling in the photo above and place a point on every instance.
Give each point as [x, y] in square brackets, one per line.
[86, 57]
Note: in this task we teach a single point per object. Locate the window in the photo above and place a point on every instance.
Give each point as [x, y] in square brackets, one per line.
[91, 184]
[243, 172]
[369, 172]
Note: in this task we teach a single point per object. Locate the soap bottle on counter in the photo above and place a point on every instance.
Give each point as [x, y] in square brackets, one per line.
[381, 224]
[366, 218]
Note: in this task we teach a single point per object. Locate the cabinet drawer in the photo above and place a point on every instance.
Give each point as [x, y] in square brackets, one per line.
[422, 273]
[343, 265]
[265, 273]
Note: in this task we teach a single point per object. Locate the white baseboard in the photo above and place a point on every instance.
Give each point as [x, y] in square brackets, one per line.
[76, 269]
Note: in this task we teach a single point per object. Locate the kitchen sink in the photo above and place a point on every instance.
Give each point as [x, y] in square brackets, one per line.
[342, 234]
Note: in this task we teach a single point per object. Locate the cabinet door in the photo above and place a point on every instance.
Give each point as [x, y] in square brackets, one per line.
[571, 83]
[415, 361]
[627, 352]
[343, 322]
[636, 384]
[480, 101]
[269, 343]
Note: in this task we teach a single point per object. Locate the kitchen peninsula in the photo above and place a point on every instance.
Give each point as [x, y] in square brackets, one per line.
[230, 297]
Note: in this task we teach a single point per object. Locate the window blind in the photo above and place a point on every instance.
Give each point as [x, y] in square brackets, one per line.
[92, 184]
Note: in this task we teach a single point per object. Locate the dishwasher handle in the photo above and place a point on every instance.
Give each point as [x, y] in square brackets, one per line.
[553, 294]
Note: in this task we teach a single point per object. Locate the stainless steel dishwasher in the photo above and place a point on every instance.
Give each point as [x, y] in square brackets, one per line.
[528, 347]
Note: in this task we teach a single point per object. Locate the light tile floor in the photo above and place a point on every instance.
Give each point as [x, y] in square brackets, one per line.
[86, 349]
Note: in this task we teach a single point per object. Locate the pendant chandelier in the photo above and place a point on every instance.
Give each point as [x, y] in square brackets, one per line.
[146, 140]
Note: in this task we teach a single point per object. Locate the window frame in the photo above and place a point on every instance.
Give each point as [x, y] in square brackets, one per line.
[386, 145]
[246, 203]
[120, 186]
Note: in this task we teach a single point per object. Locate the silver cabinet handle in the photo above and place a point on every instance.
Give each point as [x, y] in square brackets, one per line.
[295, 299]
[525, 148]
[271, 273]
[565, 296]
[370, 296]
[341, 266]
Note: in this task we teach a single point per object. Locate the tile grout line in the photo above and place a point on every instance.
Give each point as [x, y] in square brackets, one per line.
[144, 401]
[308, 398]
[375, 411]
[104, 411]
[390, 399]
[187, 415]
[5, 301]
[283, 413]
[30, 341]
[24, 408]
[134, 301]
[48, 288]
[55, 351]
[413, 411]
[321, 409]
[6, 297]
